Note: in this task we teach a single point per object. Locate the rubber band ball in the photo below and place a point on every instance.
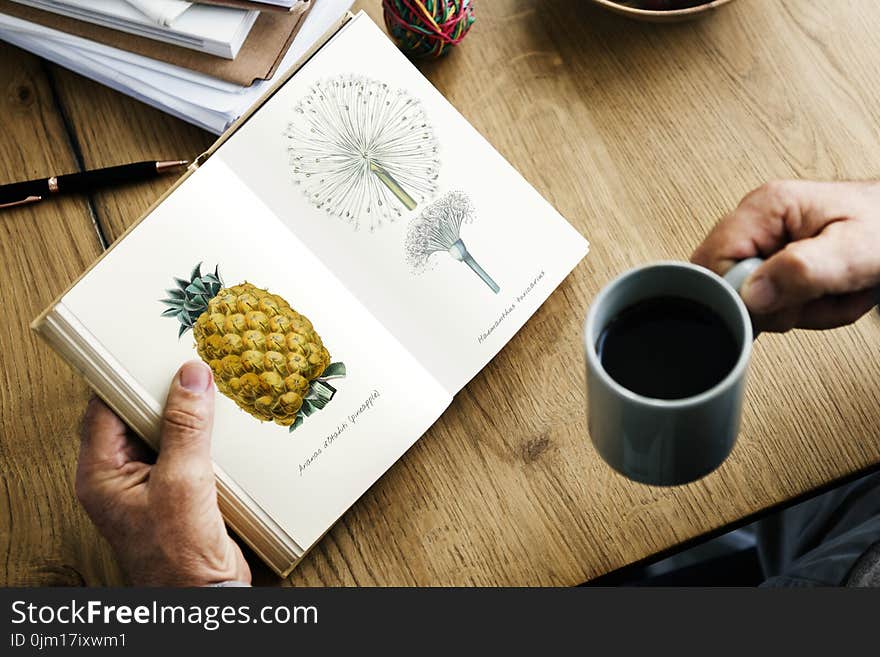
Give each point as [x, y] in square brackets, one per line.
[428, 28]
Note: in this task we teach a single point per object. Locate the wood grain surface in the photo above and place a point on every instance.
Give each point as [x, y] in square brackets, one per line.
[642, 136]
[44, 536]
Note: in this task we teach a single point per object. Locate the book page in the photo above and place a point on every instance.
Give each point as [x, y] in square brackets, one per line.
[315, 400]
[426, 224]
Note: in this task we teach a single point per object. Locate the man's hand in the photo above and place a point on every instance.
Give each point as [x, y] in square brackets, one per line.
[822, 245]
[162, 519]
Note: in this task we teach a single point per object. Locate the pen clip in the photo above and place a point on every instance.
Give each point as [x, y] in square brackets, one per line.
[24, 201]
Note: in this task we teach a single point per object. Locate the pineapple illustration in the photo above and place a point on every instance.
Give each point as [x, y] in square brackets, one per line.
[265, 356]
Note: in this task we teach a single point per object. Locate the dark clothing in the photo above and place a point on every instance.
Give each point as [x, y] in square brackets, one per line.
[831, 540]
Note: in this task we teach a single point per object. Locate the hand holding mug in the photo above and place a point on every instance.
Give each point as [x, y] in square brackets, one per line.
[822, 246]
[666, 410]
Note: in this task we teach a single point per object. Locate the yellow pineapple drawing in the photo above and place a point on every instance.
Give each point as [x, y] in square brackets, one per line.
[266, 357]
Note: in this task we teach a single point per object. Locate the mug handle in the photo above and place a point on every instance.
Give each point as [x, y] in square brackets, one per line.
[740, 272]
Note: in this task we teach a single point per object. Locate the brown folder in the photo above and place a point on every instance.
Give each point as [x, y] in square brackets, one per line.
[258, 59]
[250, 4]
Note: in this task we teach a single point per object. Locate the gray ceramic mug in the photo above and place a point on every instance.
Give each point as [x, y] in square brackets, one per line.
[657, 441]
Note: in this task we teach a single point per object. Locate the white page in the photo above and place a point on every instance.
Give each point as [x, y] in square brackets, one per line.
[447, 316]
[305, 479]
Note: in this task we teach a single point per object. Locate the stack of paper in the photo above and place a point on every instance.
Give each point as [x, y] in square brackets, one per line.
[205, 100]
[219, 31]
[256, 4]
[161, 12]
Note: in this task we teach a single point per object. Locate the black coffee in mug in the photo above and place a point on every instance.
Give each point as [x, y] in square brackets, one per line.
[667, 348]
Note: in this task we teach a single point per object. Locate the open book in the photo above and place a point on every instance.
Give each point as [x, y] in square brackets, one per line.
[346, 258]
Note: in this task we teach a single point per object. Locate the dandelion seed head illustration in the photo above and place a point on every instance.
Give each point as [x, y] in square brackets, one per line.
[362, 151]
[436, 229]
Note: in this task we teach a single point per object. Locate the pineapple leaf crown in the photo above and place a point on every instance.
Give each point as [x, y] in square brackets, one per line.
[189, 298]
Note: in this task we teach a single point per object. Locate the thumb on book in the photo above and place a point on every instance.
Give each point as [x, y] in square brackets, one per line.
[185, 439]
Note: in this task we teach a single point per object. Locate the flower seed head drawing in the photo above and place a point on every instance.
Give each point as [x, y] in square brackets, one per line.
[362, 151]
[438, 229]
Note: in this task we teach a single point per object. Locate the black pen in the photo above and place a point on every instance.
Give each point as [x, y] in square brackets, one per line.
[33, 191]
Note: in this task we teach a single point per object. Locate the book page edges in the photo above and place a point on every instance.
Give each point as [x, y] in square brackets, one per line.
[112, 384]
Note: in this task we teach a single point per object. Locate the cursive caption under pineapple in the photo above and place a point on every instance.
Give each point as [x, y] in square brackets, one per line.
[350, 420]
[509, 309]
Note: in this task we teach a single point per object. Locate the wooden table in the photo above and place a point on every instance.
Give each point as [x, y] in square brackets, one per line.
[641, 135]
